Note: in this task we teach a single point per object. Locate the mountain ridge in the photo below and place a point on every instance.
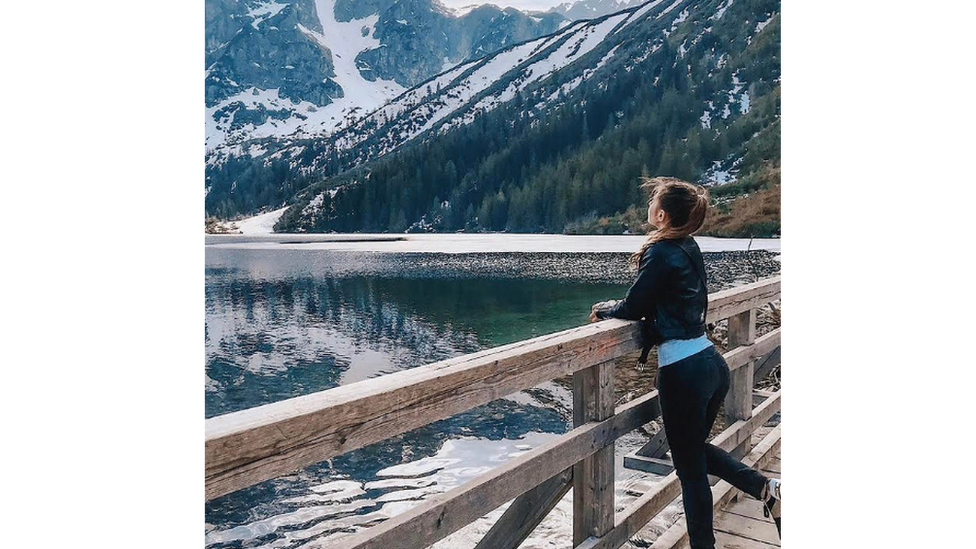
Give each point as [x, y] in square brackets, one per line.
[725, 131]
[314, 65]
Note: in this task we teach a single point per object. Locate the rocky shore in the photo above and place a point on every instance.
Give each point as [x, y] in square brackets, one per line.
[725, 269]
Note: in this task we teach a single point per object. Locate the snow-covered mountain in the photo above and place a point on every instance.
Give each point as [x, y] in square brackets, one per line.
[457, 96]
[704, 42]
[281, 67]
[588, 9]
[673, 87]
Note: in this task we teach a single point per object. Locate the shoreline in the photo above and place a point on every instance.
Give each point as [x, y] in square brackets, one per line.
[454, 243]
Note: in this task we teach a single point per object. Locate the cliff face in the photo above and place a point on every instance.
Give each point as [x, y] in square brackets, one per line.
[277, 67]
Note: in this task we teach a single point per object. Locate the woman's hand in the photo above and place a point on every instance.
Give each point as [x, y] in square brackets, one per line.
[601, 306]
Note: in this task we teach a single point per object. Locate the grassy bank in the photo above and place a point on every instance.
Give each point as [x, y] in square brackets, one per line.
[748, 207]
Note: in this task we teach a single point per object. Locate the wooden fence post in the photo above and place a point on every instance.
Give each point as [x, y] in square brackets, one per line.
[738, 402]
[593, 477]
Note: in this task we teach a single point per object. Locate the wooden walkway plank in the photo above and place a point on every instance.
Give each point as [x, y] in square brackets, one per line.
[724, 540]
[775, 465]
[748, 507]
[526, 512]
[747, 527]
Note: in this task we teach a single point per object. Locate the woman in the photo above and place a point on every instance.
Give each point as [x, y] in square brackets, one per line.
[671, 294]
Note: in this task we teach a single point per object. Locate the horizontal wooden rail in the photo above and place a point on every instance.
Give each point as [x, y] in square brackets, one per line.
[246, 447]
[730, 302]
[742, 355]
[444, 514]
[642, 510]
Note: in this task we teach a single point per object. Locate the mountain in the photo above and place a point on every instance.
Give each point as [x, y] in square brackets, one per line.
[552, 134]
[588, 9]
[308, 67]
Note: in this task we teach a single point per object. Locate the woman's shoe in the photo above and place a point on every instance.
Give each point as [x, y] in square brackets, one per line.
[773, 505]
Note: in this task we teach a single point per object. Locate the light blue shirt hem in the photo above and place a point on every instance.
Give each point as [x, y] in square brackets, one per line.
[673, 350]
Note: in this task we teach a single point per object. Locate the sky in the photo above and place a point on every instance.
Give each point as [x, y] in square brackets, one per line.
[540, 5]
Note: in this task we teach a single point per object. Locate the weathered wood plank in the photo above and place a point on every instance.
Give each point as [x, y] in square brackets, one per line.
[593, 488]
[657, 466]
[445, 513]
[677, 535]
[775, 465]
[742, 328]
[767, 362]
[732, 541]
[656, 447]
[650, 457]
[526, 512]
[732, 437]
[760, 530]
[725, 304]
[748, 507]
[738, 401]
[650, 504]
[740, 356]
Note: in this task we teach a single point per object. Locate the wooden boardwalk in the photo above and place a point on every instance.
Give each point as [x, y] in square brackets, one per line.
[741, 524]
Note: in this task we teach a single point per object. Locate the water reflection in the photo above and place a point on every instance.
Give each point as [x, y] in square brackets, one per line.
[275, 332]
[268, 339]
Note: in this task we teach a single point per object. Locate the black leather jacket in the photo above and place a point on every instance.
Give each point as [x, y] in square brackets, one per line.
[670, 290]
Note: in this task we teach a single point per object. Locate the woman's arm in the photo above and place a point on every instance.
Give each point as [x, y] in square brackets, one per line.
[639, 301]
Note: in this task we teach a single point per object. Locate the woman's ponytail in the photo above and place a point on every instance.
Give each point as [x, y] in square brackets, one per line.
[686, 205]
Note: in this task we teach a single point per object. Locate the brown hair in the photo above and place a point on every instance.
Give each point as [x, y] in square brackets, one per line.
[686, 205]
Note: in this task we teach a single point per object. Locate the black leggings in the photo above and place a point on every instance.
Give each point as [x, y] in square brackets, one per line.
[691, 391]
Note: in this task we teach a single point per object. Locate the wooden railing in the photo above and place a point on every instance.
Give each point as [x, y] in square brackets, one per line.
[250, 446]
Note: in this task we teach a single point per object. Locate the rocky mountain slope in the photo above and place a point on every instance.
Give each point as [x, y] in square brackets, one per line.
[279, 68]
[552, 134]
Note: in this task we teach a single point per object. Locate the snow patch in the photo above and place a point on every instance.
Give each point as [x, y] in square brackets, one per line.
[260, 224]
[721, 11]
[639, 13]
[706, 120]
[264, 10]
[682, 17]
[761, 25]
